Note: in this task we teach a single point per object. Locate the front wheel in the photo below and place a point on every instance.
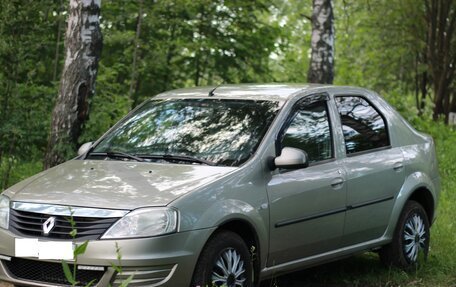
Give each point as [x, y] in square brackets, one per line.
[224, 261]
[410, 240]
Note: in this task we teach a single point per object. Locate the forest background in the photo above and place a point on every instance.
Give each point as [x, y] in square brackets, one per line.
[152, 46]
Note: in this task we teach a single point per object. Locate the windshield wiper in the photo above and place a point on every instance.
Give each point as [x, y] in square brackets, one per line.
[141, 157]
[117, 154]
[172, 157]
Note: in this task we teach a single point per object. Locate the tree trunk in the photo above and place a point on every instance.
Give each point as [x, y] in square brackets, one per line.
[83, 44]
[424, 79]
[421, 81]
[57, 44]
[200, 50]
[167, 77]
[9, 164]
[440, 18]
[133, 81]
[9, 93]
[453, 103]
[417, 84]
[321, 67]
[424, 83]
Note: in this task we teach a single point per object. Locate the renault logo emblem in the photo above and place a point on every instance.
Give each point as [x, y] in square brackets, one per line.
[48, 225]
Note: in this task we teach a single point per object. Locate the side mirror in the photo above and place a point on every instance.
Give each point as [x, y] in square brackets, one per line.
[292, 158]
[85, 148]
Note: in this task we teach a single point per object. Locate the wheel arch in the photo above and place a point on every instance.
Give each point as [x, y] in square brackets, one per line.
[419, 187]
[249, 235]
[424, 197]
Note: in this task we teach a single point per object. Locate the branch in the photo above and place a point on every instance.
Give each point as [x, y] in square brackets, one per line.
[306, 16]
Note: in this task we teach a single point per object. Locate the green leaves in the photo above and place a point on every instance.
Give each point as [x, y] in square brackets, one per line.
[127, 281]
[182, 43]
[70, 277]
[80, 249]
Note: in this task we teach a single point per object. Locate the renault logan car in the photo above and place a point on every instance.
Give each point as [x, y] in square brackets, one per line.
[227, 186]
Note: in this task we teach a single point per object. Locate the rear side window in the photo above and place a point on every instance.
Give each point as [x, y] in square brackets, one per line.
[309, 130]
[363, 126]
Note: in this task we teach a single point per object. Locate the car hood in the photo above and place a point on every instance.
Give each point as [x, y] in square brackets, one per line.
[115, 184]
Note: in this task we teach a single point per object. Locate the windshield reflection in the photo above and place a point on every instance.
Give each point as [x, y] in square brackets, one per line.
[226, 132]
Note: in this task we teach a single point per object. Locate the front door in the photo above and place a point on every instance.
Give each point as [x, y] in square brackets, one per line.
[307, 206]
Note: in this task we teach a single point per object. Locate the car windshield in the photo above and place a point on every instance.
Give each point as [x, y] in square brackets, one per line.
[222, 132]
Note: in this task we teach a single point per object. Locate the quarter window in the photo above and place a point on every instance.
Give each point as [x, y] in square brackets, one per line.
[363, 126]
[310, 131]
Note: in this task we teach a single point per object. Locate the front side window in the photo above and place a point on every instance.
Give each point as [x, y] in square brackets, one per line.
[363, 126]
[223, 132]
[310, 131]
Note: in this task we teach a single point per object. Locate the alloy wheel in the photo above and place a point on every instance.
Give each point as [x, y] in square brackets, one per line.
[414, 237]
[229, 269]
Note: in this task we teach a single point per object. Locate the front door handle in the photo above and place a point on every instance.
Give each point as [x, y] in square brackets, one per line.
[337, 182]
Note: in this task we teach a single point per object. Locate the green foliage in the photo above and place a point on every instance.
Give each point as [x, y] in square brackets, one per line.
[109, 105]
[26, 87]
[373, 48]
[181, 43]
[291, 59]
[12, 170]
[79, 249]
[187, 43]
[379, 45]
[126, 281]
[70, 277]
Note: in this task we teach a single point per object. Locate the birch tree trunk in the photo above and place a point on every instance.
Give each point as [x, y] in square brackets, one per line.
[321, 67]
[57, 44]
[83, 44]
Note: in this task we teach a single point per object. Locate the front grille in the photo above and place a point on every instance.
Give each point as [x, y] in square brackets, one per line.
[48, 272]
[31, 224]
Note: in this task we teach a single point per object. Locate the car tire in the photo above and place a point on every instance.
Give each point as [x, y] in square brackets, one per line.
[224, 261]
[411, 238]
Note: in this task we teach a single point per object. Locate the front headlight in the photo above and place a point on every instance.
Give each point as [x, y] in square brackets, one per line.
[4, 211]
[144, 222]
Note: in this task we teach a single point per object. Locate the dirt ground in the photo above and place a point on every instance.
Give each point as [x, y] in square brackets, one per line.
[5, 284]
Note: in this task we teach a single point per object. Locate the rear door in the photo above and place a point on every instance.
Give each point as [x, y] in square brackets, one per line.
[374, 169]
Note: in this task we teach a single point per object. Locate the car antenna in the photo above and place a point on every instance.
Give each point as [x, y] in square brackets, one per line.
[211, 92]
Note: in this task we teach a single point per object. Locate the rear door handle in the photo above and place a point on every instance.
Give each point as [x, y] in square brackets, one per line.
[398, 166]
[337, 182]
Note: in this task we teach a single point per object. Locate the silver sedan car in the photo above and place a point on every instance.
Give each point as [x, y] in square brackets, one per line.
[227, 186]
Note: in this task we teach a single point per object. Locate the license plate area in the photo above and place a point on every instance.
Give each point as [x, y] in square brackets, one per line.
[34, 248]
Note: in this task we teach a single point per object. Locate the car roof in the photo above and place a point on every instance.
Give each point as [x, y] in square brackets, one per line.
[274, 91]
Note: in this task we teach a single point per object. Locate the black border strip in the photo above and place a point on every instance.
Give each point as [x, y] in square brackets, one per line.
[367, 203]
[318, 215]
[332, 212]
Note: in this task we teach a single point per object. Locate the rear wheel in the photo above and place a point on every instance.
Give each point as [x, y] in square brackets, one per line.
[224, 261]
[411, 238]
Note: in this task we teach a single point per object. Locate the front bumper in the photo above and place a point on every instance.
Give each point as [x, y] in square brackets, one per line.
[156, 261]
